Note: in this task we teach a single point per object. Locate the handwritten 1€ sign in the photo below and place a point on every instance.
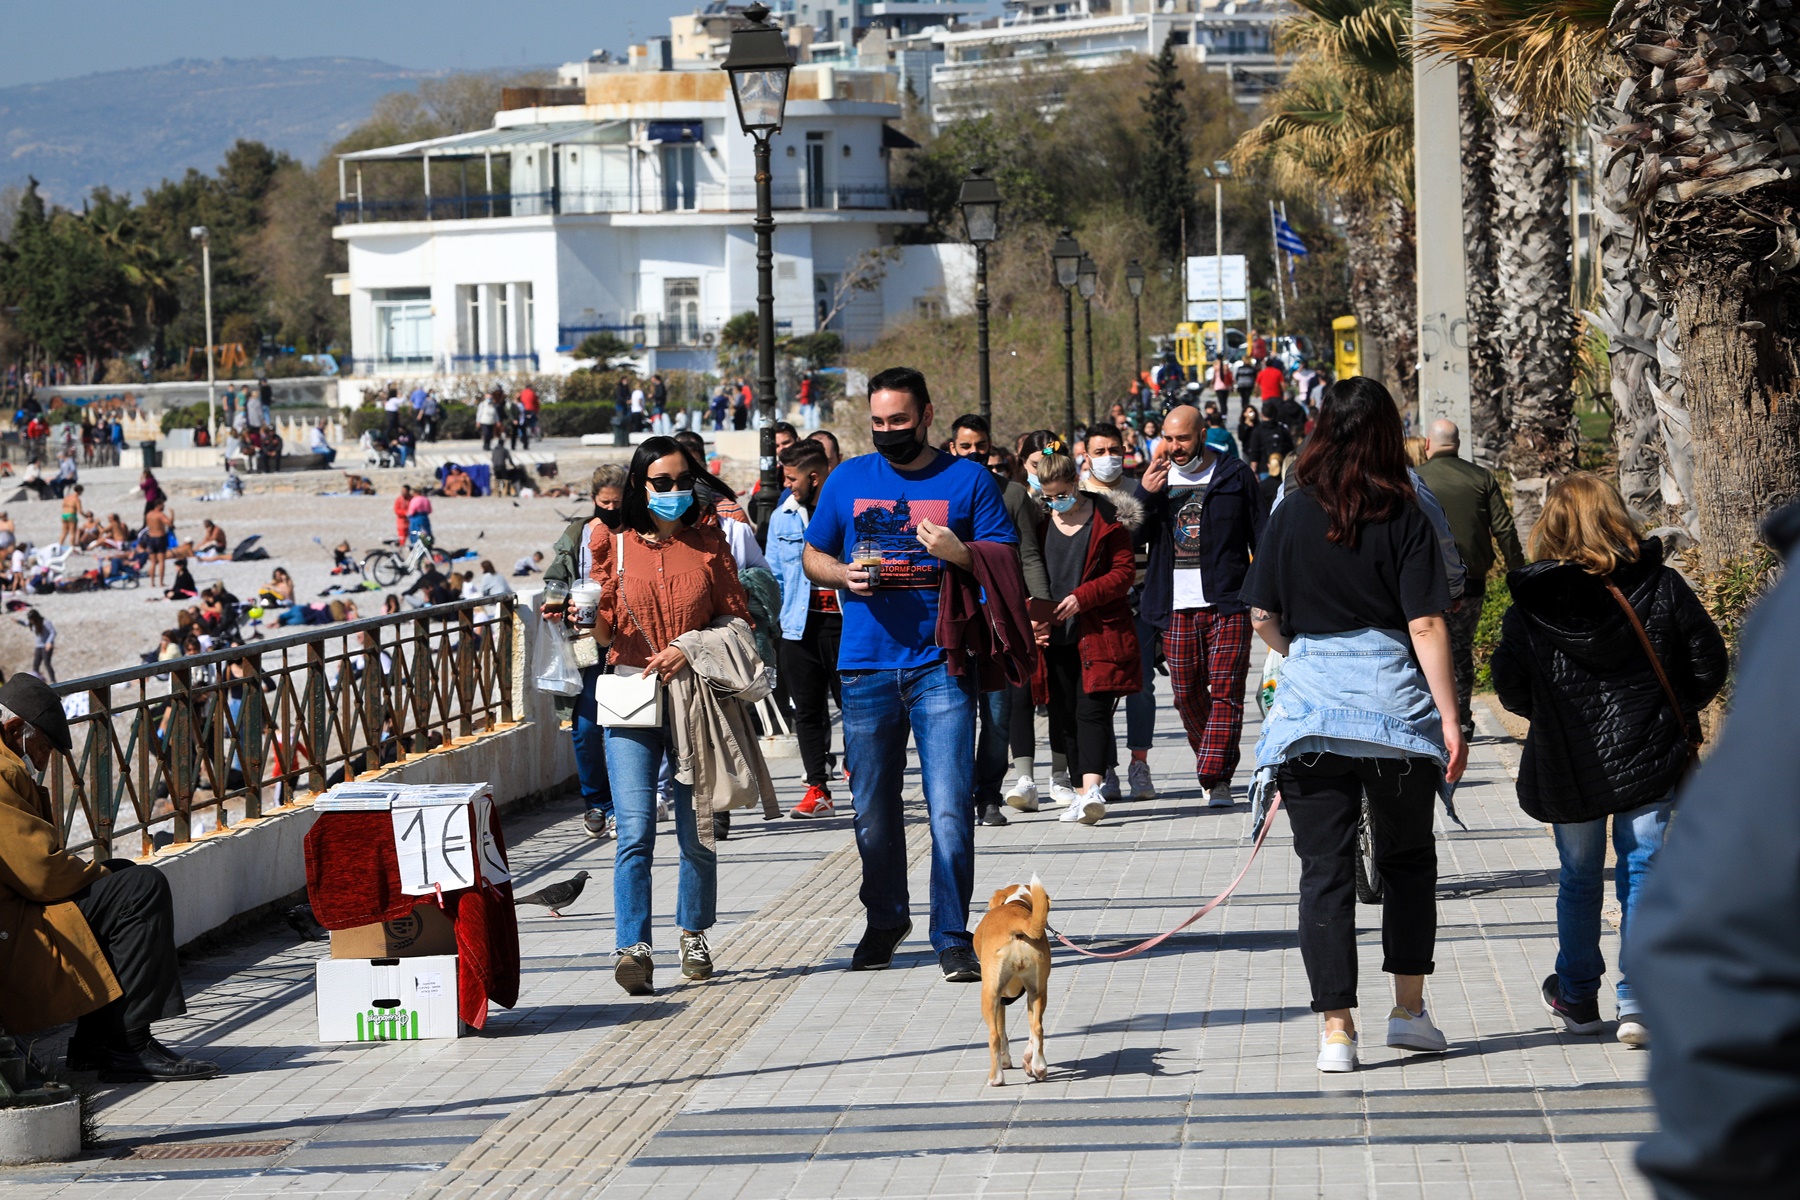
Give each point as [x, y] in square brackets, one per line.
[434, 848]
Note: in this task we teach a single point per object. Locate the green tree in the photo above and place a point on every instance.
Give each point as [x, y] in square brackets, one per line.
[602, 347]
[1165, 192]
[737, 342]
[71, 299]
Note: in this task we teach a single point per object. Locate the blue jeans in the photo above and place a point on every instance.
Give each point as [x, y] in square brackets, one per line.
[590, 748]
[1140, 707]
[880, 709]
[633, 760]
[992, 745]
[1637, 836]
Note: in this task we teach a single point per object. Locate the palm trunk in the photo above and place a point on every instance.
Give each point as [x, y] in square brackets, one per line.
[1644, 362]
[1488, 417]
[1380, 245]
[1534, 329]
[1400, 295]
[1739, 354]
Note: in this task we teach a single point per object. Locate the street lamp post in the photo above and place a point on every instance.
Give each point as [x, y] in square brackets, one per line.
[1087, 282]
[758, 65]
[1134, 283]
[201, 234]
[980, 203]
[1066, 255]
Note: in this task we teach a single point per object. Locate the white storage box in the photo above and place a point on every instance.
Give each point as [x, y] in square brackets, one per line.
[387, 999]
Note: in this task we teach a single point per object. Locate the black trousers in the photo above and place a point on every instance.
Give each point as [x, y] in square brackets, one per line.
[1323, 796]
[810, 668]
[1081, 724]
[133, 918]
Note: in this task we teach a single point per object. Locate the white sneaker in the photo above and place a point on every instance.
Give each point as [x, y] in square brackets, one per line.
[1023, 795]
[1142, 786]
[1633, 1032]
[1062, 793]
[1061, 779]
[1109, 786]
[1085, 807]
[663, 811]
[1219, 795]
[1337, 1053]
[1409, 1032]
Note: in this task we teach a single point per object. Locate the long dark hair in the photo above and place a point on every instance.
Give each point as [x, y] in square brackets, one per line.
[636, 505]
[1355, 461]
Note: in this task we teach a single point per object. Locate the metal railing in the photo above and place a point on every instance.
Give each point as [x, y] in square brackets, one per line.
[177, 749]
[706, 197]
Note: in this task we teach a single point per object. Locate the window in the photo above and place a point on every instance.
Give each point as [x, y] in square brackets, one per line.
[403, 325]
[681, 311]
[678, 178]
[815, 171]
[928, 308]
[824, 300]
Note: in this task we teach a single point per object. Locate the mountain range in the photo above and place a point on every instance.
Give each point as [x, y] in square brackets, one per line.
[129, 130]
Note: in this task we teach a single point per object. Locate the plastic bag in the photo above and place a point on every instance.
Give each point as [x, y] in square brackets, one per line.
[553, 667]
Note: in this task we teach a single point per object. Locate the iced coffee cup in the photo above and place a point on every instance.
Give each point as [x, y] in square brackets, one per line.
[867, 555]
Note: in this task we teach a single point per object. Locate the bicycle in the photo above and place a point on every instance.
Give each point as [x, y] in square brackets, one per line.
[389, 567]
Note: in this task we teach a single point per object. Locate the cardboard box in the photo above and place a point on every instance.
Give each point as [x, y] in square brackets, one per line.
[424, 931]
[387, 999]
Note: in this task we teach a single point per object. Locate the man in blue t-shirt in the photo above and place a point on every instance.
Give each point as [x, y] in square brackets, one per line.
[883, 528]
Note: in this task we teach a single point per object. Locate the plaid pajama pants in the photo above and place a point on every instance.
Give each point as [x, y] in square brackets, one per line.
[1209, 656]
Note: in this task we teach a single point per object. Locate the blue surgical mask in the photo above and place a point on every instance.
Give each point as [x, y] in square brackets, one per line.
[670, 506]
[1062, 504]
[1031, 478]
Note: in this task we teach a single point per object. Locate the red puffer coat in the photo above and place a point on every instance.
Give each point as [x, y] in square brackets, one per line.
[1106, 628]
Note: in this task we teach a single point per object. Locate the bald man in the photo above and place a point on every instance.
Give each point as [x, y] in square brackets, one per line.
[1476, 511]
[1204, 512]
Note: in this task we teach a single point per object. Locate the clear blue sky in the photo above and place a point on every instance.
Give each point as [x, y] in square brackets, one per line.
[63, 38]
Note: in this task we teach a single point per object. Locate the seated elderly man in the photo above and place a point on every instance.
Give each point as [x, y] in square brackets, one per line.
[86, 942]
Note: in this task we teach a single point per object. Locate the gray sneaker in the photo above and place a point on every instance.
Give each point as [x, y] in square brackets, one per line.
[696, 957]
[633, 969]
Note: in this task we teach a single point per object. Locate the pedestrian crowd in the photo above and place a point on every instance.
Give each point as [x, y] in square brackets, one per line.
[950, 590]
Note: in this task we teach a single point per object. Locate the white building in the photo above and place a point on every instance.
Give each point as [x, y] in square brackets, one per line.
[1232, 37]
[623, 201]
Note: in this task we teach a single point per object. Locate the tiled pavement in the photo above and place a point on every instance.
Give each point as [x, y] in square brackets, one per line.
[1185, 1072]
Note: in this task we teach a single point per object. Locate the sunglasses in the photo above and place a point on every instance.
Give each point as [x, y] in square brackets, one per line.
[669, 483]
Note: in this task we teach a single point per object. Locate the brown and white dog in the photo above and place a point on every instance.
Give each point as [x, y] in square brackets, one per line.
[1015, 961]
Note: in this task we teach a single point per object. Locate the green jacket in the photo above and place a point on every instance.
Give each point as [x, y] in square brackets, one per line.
[1478, 515]
[567, 552]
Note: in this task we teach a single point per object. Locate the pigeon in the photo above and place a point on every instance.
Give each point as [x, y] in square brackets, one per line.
[301, 920]
[557, 895]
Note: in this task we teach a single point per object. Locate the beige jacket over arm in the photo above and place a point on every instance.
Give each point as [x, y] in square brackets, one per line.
[716, 745]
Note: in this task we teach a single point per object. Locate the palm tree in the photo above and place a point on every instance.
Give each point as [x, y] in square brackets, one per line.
[1342, 123]
[1488, 414]
[1705, 134]
[1550, 57]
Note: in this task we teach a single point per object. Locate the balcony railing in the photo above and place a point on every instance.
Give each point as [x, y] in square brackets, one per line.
[175, 749]
[573, 201]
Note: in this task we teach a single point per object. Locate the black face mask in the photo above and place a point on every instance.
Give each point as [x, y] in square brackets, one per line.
[612, 518]
[898, 446]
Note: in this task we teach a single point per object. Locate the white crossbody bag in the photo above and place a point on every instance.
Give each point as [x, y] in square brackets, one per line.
[625, 697]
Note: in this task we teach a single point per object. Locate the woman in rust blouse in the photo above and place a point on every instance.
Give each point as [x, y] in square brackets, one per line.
[676, 576]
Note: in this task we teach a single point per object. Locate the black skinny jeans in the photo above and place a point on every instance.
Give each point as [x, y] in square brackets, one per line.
[1323, 797]
[809, 666]
[1081, 724]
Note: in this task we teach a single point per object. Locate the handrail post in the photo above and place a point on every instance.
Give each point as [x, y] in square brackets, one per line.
[465, 671]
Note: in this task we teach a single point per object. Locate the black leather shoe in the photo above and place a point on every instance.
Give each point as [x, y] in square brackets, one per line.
[876, 950]
[721, 826]
[154, 1064]
[960, 965]
[991, 815]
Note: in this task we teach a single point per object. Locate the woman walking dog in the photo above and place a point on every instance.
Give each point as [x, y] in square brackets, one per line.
[1350, 585]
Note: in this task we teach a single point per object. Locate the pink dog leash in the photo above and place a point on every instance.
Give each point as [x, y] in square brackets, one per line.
[1131, 951]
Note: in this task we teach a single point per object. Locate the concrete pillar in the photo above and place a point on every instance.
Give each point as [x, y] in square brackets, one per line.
[1442, 281]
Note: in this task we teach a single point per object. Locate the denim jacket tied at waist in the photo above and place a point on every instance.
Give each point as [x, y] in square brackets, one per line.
[1358, 694]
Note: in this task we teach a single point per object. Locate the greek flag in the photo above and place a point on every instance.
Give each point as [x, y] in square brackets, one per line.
[1287, 239]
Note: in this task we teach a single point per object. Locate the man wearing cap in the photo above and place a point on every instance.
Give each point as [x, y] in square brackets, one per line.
[86, 942]
[1204, 512]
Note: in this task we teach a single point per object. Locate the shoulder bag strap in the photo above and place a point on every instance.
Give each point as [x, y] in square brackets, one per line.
[1662, 676]
[619, 556]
